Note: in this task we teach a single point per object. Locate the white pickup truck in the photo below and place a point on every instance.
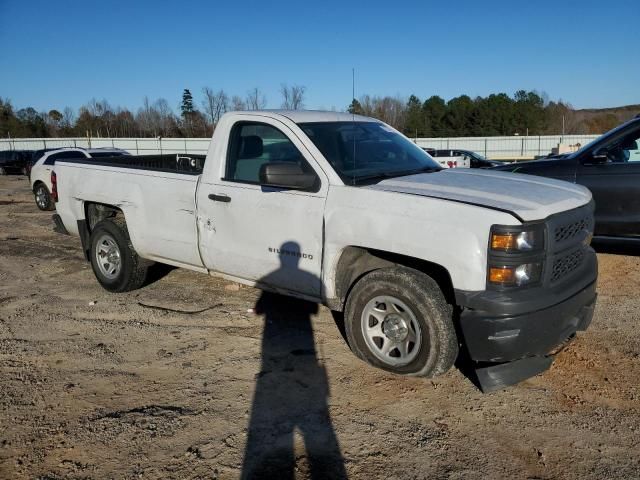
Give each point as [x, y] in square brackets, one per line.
[425, 263]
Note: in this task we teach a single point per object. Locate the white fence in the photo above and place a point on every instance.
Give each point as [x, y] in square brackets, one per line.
[491, 147]
[137, 146]
[515, 147]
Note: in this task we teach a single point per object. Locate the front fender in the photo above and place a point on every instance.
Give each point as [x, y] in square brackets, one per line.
[449, 234]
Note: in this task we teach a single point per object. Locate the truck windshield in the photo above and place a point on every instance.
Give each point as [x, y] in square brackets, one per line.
[362, 152]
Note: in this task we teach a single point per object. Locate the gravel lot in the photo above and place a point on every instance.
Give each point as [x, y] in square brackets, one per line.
[180, 378]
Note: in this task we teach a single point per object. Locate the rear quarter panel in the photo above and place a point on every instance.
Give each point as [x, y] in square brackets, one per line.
[159, 207]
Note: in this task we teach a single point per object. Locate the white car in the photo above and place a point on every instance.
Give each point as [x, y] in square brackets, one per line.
[41, 171]
[450, 158]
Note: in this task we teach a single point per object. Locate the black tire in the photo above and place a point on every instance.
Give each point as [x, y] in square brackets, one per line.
[43, 197]
[438, 345]
[132, 271]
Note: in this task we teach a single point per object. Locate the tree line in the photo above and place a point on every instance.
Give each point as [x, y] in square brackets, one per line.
[97, 118]
[524, 113]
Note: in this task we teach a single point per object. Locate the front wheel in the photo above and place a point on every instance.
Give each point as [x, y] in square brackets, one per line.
[43, 197]
[115, 263]
[397, 319]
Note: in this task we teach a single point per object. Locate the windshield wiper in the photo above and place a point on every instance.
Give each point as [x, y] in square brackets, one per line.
[386, 175]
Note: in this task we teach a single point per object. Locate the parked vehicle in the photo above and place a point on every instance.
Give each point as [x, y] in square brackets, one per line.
[33, 157]
[449, 158]
[610, 167]
[478, 161]
[346, 211]
[40, 172]
[430, 151]
[13, 161]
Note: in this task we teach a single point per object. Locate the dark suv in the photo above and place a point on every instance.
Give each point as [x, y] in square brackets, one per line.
[14, 161]
[610, 167]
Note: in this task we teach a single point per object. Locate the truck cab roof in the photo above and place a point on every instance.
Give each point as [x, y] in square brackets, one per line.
[311, 116]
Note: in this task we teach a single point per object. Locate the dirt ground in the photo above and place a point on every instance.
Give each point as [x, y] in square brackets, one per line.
[181, 378]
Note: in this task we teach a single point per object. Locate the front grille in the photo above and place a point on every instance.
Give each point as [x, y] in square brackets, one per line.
[568, 231]
[566, 264]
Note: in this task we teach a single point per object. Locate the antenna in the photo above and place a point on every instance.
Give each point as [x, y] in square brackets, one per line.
[353, 121]
[353, 85]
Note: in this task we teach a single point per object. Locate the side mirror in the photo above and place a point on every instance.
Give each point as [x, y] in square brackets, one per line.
[599, 157]
[286, 175]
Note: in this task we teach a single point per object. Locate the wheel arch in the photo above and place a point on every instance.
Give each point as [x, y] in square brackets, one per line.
[355, 262]
[36, 184]
[125, 271]
[94, 212]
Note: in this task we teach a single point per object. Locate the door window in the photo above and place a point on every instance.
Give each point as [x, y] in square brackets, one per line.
[255, 144]
[625, 149]
[63, 156]
[632, 150]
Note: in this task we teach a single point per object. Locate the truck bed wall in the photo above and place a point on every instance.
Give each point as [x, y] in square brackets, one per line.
[187, 164]
[159, 206]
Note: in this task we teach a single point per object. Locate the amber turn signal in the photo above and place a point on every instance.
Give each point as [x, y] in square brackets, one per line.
[503, 241]
[523, 241]
[502, 275]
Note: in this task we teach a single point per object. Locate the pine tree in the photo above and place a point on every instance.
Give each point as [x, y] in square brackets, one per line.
[434, 109]
[414, 126]
[355, 107]
[187, 103]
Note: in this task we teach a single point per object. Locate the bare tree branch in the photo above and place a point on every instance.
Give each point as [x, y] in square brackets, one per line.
[215, 104]
[256, 100]
[292, 97]
[238, 103]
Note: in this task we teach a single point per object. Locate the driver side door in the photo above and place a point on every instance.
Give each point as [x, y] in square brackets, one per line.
[612, 173]
[260, 233]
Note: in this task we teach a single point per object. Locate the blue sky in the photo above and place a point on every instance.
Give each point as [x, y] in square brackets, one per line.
[59, 53]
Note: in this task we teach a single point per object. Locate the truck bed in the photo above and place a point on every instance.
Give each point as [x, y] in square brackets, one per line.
[184, 163]
[157, 194]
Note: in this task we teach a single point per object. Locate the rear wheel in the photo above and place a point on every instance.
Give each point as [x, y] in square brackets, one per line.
[3, 171]
[397, 319]
[43, 197]
[115, 263]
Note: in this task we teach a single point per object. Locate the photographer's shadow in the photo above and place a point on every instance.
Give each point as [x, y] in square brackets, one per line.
[291, 392]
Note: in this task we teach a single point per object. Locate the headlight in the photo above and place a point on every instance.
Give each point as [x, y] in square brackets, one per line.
[522, 241]
[515, 275]
[516, 255]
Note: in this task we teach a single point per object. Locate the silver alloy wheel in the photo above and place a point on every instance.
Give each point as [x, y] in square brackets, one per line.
[391, 330]
[108, 256]
[41, 197]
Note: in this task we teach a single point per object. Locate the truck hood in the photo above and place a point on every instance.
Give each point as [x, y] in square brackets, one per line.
[526, 197]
